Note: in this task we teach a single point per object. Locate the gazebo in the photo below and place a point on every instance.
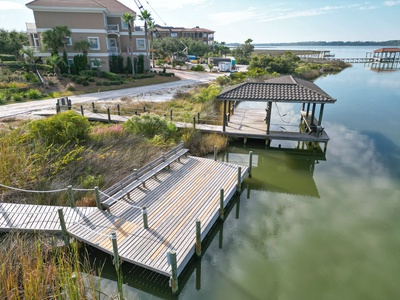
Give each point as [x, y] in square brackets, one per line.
[285, 89]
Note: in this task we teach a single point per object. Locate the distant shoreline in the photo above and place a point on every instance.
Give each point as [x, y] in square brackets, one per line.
[391, 43]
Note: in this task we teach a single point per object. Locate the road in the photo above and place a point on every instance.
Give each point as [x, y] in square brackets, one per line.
[187, 79]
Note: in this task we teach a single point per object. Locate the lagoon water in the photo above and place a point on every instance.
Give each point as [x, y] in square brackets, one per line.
[309, 227]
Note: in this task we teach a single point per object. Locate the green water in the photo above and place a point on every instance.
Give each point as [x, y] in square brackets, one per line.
[309, 226]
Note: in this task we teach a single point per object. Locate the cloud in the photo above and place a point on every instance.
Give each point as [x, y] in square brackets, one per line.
[174, 4]
[392, 2]
[231, 17]
[11, 5]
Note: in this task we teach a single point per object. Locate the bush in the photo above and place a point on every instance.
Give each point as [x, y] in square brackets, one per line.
[44, 67]
[110, 76]
[60, 129]
[99, 83]
[198, 68]
[150, 126]
[7, 57]
[85, 83]
[71, 87]
[116, 82]
[17, 97]
[106, 83]
[141, 76]
[166, 74]
[33, 94]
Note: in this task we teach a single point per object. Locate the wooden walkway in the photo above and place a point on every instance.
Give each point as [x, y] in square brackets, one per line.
[174, 200]
[25, 217]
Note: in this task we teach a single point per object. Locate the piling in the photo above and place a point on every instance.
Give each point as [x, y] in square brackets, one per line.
[221, 204]
[250, 162]
[109, 115]
[63, 226]
[71, 196]
[170, 115]
[194, 122]
[119, 109]
[215, 153]
[198, 237]
[93, 109]
[239, 183]
[96, 193]
[117, 263]
[174, 268]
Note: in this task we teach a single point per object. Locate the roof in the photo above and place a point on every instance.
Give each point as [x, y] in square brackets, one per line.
[194, 29]
[112, 6]
[280, 89]
[380, 50]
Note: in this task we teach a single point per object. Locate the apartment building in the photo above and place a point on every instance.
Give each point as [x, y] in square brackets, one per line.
[97, 21]
[196, 33]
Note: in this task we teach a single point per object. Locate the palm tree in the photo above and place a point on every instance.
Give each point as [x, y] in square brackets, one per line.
[151, 26]
[83, 46]
[129, 18]
[29, 56]
[54, 61]
[146, 17]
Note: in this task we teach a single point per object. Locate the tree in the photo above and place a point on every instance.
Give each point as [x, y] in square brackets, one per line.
[54, 61]
[29, 56]
[152, 26]
[11, 42]
[242, 52]
[97, 63]
[55, 38]
[129, 18]
[146, 17]
[82, 46]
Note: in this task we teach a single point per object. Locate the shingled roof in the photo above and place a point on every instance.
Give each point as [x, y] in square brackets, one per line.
[280, 89]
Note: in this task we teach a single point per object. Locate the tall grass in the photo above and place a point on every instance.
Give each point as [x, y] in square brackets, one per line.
[30, 268]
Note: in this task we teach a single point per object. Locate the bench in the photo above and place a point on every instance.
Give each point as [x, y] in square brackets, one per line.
[140, 176]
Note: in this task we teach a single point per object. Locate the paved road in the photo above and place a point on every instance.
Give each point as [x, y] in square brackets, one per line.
[187, 79]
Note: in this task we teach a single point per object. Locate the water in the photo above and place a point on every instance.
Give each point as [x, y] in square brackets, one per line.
[309, 227]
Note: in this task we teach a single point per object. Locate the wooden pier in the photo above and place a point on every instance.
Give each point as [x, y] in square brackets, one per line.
[169, 212]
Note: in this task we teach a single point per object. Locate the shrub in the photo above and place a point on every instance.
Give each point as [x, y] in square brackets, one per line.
[99, 83]
[7, 57]
[33, 94]
[150, 126]
[71, 87]
[106, 83]
[44, 67]
[85, 83]
[17, 97]
[198, 68]
[208, 94]
[60, 129]
[51, 83]
[166, 74]
[110, 76]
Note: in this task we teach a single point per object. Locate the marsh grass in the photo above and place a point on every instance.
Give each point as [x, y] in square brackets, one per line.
[32, 268]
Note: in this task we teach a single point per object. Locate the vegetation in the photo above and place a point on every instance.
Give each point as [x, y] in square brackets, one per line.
[11, 42]
[129, 18]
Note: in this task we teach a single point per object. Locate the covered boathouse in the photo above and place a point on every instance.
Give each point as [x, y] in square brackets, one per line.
[256, 123]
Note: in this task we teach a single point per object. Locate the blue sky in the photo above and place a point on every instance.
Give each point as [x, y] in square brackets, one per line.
[268, 21]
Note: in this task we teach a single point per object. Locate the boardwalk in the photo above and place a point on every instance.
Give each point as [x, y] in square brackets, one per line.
[25, 217]
[175, 199]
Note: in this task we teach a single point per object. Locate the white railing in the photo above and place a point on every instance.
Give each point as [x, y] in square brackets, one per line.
[113, 28]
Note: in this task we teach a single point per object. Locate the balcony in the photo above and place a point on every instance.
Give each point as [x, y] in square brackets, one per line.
[113, 28]
[113, 51]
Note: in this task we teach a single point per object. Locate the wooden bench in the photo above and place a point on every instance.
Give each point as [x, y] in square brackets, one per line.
[140, 176]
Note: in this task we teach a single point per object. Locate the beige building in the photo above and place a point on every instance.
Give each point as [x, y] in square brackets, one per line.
[197, 33]
[97, 21]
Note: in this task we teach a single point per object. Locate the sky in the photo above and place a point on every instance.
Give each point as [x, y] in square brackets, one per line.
[263, 21]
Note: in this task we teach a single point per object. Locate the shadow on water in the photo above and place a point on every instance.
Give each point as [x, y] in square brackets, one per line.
[278, 169]
[388, 152]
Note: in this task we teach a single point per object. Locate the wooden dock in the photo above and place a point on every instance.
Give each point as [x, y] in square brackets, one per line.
[174, 200]
[25, 217]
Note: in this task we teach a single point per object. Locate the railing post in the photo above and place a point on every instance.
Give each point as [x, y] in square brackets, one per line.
[194, 122]
[82, 111]
[119, 109]
[93, 109]
[69, 104]
[215, 153]
[96, 192]
[170, 115]
[221, 204]
[198, 118]
[198, 237]
[250, 162]
[71, 196]
[117, 263]
[239, 183]
[58, 108]
[109, 115]
[145, 221]
[63, 226]
[174, 273]
[144, 108]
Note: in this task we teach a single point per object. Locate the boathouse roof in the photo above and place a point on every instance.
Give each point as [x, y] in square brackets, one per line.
[381, 50]
[280, 89]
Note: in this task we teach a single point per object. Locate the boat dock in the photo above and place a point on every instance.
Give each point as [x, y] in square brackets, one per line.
[152, 219]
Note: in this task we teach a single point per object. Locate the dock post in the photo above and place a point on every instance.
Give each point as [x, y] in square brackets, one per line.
[174, 275]
[198, 237]
[82, 111]
[96, 192]
[109, 115]
[117, 263]
[71, 196]
[250, 162]
[198, 118]
[215, 152]
[145, 221]
[239, 184]
[58, 109]
[170, 115]
[221, 204]
[194, 122]
[119, 109]
[93, 109]
[198, 274]
[63, 227]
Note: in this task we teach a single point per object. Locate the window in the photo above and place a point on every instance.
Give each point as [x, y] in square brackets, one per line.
[70, 61]
[94, 43]
[174, 34]
[68, 41]
[124, 25]
[140, 44]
